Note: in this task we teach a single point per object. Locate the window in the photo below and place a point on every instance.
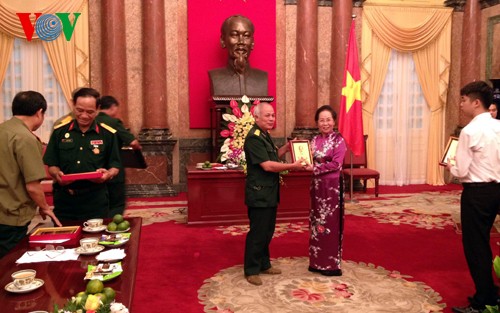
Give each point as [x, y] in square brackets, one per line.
[401, 122]
[29, 69]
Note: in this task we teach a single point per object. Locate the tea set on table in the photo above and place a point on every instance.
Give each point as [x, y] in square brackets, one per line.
[24, 281]
[94, 225]
[94, 245]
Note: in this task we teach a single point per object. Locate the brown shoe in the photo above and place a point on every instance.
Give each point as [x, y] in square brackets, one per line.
[272, 271]
[254, 280]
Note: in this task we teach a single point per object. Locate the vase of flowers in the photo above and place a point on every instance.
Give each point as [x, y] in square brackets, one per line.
[238, 120]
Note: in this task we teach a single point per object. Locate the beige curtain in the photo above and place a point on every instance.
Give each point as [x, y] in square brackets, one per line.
[69, 59]
[6, 45]
[425, 32]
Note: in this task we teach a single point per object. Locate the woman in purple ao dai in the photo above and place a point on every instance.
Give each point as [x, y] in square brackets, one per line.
[327, 198]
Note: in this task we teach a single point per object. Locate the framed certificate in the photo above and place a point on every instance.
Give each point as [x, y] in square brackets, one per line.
[450, 151]
[301, 149]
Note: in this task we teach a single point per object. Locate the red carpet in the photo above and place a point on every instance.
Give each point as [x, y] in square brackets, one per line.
[175, 259]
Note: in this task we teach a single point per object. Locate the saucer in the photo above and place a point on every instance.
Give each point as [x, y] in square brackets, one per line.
[117, 231]
[94, 230]
[80, 250]
[37, 283]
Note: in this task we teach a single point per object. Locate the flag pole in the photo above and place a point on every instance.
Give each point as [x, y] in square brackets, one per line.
[351, 182]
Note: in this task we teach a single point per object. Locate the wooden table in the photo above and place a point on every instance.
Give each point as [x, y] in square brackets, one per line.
[218, 196]
[64, 279]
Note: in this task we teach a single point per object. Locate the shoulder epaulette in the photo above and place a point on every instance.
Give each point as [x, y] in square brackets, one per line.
[63, 122]
[107, 127]
[257, 132]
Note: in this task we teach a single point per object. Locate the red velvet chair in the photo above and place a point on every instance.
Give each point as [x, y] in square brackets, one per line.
[359, 170]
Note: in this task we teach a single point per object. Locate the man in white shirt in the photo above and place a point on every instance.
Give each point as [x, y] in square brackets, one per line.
[477, 165]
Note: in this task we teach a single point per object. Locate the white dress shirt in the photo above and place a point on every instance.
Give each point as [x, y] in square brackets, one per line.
[478, 152]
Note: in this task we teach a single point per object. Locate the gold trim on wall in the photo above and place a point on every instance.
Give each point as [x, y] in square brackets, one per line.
[490, 30]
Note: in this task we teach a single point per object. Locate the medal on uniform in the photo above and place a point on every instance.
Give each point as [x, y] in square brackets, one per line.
[66, 135]
[95, 150]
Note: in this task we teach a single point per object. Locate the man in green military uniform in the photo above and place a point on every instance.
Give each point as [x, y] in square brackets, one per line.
[78, 146]
[21, 170]
[262, 192]
[108, 112]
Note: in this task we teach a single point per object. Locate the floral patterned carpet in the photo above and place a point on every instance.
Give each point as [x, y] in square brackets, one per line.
[158, 211]
[362, 288]
[427, 210]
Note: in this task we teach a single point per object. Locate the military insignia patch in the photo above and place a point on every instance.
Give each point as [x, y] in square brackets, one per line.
[256, 132]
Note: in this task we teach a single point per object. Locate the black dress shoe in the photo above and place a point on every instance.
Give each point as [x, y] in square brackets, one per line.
[326, 272]
[332, 273]
[471, 300]
[314, 270]
[467, 309]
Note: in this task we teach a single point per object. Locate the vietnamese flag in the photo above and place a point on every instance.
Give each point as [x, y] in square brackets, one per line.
[350, 119]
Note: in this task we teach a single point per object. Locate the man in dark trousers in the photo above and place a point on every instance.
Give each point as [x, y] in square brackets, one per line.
[262, 192]
[108, 112]
[21, 170]
[82, 145]
[477, 165]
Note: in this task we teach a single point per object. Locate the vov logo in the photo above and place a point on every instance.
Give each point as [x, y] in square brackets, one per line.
[48, 27]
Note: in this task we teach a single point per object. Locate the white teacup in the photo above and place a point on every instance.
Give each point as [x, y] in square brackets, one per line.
[23, 278]
[93, 223]
[89, 244]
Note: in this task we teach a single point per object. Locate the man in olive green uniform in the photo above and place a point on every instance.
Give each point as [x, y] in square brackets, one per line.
[21, 170]
[78, 146]
[262, 192]
[108, 111]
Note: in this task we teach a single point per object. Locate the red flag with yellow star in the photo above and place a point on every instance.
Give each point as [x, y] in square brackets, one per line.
[350, 119]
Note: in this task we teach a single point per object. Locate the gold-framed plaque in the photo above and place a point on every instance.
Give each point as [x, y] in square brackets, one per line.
[301, 149]
[450, 151]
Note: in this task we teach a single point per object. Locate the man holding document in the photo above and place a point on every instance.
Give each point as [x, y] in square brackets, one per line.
[476, 164]
[82, 145]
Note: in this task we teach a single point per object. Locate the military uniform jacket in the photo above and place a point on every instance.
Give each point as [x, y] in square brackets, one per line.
[21, 155]
[123, 135]
[76, 152]
[261, 187]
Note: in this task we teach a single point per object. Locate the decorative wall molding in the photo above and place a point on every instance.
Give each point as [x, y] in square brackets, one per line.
[458, 5]
[488, 3]
[327, 3]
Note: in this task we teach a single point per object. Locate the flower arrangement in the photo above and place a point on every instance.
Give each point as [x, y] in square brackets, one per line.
[93, 304]
[238, 121]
